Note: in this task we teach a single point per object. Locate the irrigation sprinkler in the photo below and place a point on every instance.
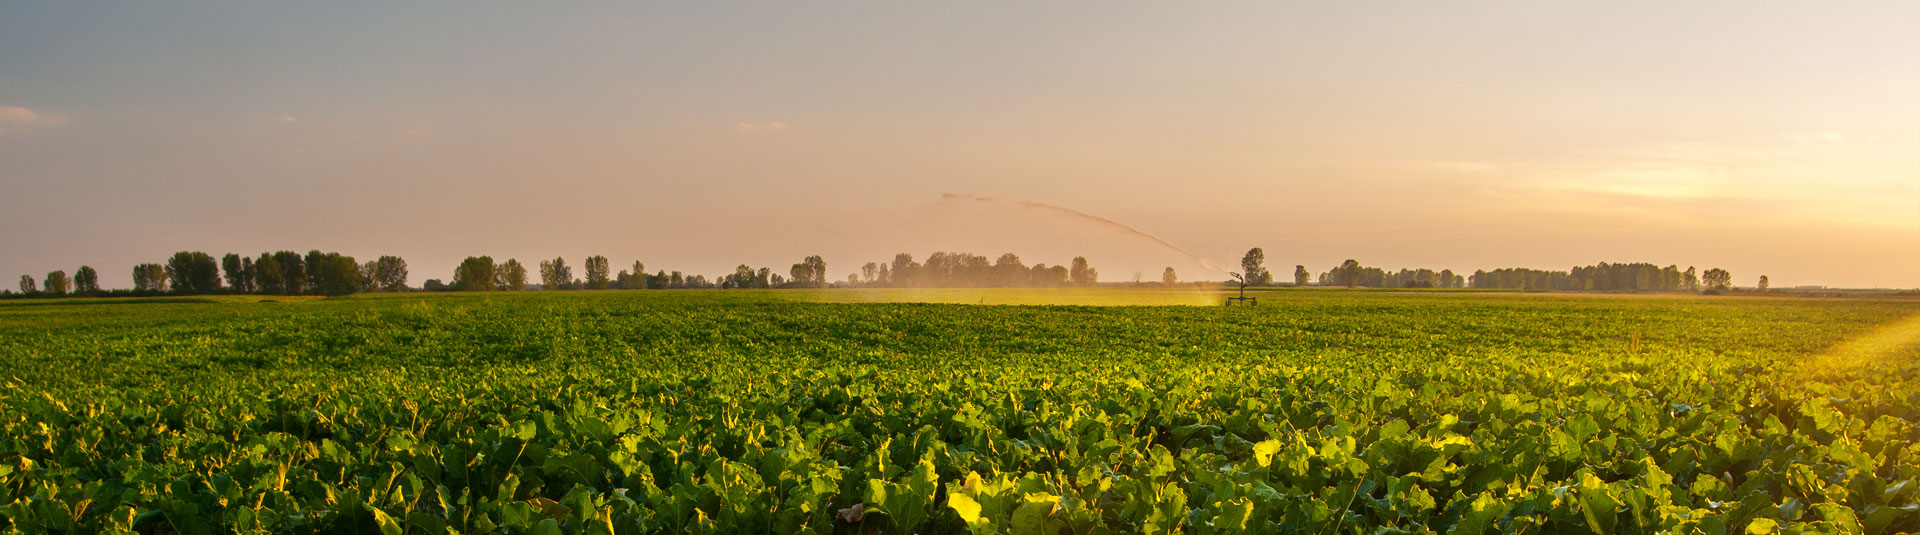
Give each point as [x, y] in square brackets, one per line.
[1243, 299]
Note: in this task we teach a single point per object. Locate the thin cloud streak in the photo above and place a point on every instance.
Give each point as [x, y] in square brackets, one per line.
[23, 118]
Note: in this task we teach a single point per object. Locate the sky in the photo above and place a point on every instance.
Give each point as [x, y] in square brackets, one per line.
[1763, 137]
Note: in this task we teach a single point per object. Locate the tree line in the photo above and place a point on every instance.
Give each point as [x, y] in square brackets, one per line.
[1602, 277]
[968, 270]
[482, 274]
[330, 273]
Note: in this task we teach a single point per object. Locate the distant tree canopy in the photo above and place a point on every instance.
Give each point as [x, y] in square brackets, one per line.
[1348, 274]
[1252, 269]
[389, 274]
[149, 278]
[1603, 277]
[597, 273]
[555, 275]
[239, 272]
[333, 273]
[193, 272]
[86, 280]
[964, 270]
[801, 274]
[811, 272]
[746, 277]
[291, 274]
[637, 279]
[1717, 279]
[57, 283]
[330, 273]
[1083, 274]
[475, 274]
[1352, 274]
[511, 275]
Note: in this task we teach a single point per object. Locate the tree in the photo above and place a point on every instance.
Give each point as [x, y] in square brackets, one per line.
[1251, 268]
[149, 278]
[56, 283]
[332, 273]
[869, 271]
[1763, 283]
[193, 272]
[1008, 271]
[267, 275]
[26, 284]
[555, 275]
[640, 275]
[390, 274]
[904, 270]
[1717, 279]
[811, 271]
[1168, 277]
[1300, 275]
[1081, 273]
[1349, 273]
[800, 272]
[293, 272]
[1691, 279]
[369, 276]
[475, 274]
[817, 270]
[597, 272]
[742, 277]
[86, 280]
[239, 277]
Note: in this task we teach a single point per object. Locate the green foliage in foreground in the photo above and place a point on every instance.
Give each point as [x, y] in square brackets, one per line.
[691, 412]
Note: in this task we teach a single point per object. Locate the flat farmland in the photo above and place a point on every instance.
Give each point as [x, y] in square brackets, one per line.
[853, 412]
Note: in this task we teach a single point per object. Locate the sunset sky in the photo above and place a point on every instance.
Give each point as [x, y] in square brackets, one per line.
[1767, 138]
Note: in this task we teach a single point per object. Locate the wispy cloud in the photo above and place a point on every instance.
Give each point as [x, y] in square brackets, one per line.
[22, 118]
[286, 119]
[1659, 181]
[1830, 138]
[751, 128]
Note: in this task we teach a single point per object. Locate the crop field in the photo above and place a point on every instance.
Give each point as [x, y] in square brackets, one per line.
[824, 412]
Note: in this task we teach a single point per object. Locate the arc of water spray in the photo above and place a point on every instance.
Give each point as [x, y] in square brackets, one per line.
[1083, 216]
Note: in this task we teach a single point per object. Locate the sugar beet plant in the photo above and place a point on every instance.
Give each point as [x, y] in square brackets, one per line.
[704, 413]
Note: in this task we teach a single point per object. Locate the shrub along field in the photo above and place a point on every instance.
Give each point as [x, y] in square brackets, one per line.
[767, 412]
